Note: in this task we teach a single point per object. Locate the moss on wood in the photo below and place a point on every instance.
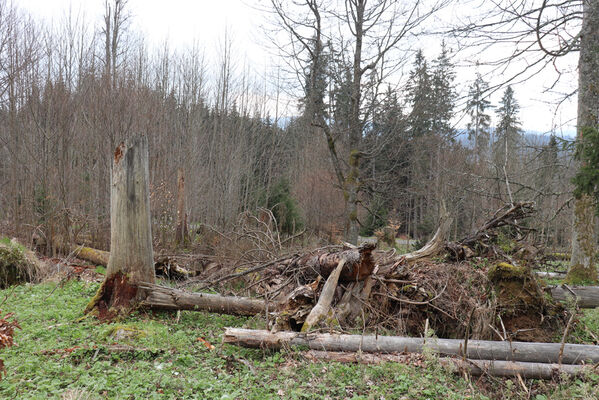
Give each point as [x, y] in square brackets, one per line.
[17, 264]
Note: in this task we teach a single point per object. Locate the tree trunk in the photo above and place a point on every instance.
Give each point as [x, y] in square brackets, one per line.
[586, 296]
[131, 257]
[584, 232]
[477, 349]
[182, 234]
[166, 298]
[526, 370]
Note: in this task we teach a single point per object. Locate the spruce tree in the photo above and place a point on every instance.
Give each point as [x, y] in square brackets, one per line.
[443, 95]
[479, 127]
[419, 96]
[508, 133]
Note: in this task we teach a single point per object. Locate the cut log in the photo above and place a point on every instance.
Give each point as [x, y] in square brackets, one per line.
[526, 370]
[586, 296]
[324, 301]
[477, 349]
[164, 298]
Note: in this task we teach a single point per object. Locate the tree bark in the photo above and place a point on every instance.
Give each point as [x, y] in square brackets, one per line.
[526, 370]
[182, 233]
[477, 349]
[131, 256]
[584, 232]
[324, 301]
[586, 296]
[160, 297]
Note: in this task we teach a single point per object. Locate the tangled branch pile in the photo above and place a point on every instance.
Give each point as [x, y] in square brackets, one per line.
[477, 287]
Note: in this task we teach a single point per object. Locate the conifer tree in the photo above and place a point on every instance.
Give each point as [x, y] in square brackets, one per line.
[479, 127]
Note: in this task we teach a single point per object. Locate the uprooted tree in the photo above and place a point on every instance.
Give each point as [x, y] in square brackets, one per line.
[131, 256]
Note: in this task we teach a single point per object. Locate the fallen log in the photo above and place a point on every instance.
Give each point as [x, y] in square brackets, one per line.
[526, 370]
[585, 296]
[550, 275]
[98, 257]
[163, 265]
[165, 298]
[477, 349]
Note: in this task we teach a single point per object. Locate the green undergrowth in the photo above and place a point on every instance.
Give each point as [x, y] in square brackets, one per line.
[61, 355]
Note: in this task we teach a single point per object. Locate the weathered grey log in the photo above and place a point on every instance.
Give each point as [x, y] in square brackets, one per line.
[477, 349]
[324, 301]
[550, 275]
[165, 298]
[586, 296]
[474, 367]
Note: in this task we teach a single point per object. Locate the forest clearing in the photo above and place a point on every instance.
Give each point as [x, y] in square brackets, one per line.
[402, 203]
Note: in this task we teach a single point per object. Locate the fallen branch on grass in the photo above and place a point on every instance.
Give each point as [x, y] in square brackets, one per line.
[165, 298]
[526, 370]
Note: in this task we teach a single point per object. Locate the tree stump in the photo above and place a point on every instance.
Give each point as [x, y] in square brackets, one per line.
[131, 256]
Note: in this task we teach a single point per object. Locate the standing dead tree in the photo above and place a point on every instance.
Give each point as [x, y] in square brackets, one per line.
[131, 256]
[182, 233]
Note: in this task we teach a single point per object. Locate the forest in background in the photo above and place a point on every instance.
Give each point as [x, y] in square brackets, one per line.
[71, 93]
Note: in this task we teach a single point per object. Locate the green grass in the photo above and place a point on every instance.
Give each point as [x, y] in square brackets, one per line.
[174, 364]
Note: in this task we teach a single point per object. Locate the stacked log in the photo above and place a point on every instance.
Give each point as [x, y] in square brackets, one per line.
[529, 360]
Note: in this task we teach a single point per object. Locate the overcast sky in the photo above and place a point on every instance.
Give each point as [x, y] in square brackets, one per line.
[181, 22]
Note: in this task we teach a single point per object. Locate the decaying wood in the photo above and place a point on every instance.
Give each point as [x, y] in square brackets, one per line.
[479, 242]
[358, 263]
[526, 370]
[585, 296]
[324, 301]
[131, 254]
[436, 244]
[163, 265]
[160, 297]
[477, 349]
[95, 256]
[550, 275]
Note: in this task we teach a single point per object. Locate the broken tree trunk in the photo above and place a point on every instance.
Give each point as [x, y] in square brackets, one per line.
[358, 263]
[526, 370]
[182, 233]
[477, 349]
[160, 297]
[324, 301]
[131, 257]
[437, 243]
[585, 296]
